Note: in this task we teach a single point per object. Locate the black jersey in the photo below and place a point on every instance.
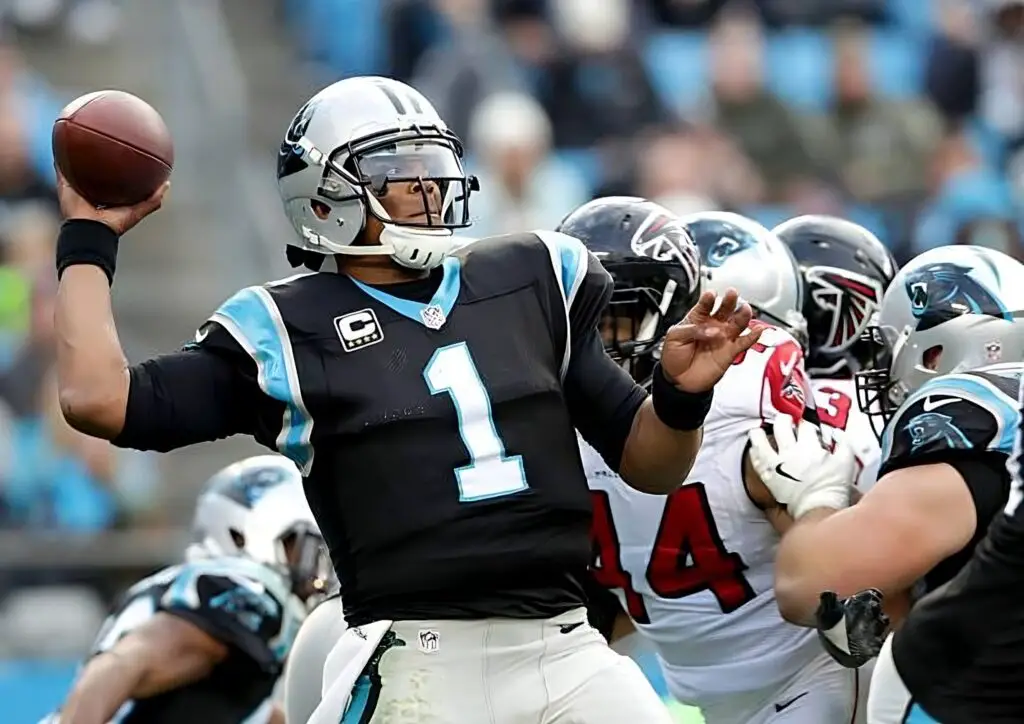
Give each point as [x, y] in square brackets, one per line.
[957, 651]
[966, 420]
[236, 601]
[433, 421]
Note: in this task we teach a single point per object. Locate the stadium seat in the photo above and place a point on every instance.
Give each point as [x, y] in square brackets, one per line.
[50, 621]
[799, 68]
[896, 64]
[912, 16]
[768, 215]
[678, 65]
[585, 162]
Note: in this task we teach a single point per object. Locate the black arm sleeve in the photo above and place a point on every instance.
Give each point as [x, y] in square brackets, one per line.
[204, 392]
[602, 399]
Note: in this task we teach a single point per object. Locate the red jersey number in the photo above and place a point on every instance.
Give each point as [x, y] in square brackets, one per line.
[835, 410]
[688, 557]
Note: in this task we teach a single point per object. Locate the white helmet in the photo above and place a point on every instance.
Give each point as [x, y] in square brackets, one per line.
[738, 252]
[340, 153]
[950, 309]
[256, 508]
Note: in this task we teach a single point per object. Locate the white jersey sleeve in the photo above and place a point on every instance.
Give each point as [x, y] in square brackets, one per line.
[695, 569]
[841, 417]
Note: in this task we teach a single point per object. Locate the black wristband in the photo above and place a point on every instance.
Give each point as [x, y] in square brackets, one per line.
[683, 411]
[83, 241]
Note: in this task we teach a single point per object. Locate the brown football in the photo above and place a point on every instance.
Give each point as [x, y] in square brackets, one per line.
[113, 148]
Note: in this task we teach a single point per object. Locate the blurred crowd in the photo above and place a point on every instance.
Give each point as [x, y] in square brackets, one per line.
[51, 477]
[904, 115]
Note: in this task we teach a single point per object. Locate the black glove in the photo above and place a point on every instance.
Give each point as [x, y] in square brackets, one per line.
[853, 629]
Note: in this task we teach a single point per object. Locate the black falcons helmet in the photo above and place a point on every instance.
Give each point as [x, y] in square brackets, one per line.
[656, 269]
[846, 271]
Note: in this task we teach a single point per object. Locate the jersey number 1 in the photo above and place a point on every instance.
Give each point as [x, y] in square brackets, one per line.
[490, 472]
[688, 555]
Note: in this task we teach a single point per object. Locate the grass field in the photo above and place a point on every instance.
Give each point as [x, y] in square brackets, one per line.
[684, 714]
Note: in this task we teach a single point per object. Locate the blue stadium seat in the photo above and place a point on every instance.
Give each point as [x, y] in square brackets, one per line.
[349, 35]
[678, 65]
[800, 68]
[585, 162]
[912, 16]
[896, 63]
[871, 219]
[768, 215]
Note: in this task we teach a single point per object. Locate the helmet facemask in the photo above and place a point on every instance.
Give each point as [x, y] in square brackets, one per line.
[879, 394]
[643, 306]
[302, 555]
[421, 167]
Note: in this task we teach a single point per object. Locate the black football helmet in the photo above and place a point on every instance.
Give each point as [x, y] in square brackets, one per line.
[656, 269]
[846, 270]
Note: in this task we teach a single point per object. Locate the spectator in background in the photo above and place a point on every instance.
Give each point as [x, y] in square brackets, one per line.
[764, 129]
[522, 186]
[26, 162]
[598, 90]
[970, 201]
[673, 171]
[474, 62]
[953, 70]
[879, 147]
[1002, 91]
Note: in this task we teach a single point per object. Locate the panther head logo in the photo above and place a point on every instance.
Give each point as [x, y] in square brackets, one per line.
[934, 427]
[719, 240]
[289, 160]
[942, 291]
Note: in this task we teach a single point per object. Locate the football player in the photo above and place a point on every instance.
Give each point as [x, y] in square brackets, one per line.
[429, 396]
[951, 325]
[974, 627]
[846, 270]
[205, 641]
[694, 570]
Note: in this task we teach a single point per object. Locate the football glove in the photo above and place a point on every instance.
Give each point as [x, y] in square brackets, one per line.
[853, 629]
[801, 474]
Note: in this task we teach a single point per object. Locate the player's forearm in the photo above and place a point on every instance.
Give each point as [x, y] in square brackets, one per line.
[844, 551]
[656, 459]
[105, 684]
[92, 373]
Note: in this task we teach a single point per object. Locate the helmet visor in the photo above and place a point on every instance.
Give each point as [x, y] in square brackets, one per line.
[419, 182]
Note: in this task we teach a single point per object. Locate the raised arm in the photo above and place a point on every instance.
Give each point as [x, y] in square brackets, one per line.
[203, 392]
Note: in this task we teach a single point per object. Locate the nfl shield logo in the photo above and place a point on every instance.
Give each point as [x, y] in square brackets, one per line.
[433, 316]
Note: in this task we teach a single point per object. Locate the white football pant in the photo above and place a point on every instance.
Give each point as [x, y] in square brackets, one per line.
[823, 692]
[495, 671]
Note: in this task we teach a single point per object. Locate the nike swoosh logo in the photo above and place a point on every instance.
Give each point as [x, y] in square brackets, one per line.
[930, 404]
[783, 473]
[202, 334]
[786, 704]
[569, 627]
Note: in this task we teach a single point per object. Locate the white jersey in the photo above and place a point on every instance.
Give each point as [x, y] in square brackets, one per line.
[841, 416]
[695, 569]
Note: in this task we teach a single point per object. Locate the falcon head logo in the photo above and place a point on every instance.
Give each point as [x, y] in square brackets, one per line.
[664, 239]
[851, 300]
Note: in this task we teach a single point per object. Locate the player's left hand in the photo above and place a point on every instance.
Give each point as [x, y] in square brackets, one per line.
[853, 629]
[699, 350]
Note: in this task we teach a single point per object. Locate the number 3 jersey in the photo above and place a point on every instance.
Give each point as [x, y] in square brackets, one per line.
[694, 569]
[242, 604]
[841, 418]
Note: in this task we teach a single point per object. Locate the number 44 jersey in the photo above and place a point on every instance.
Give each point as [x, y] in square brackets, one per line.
[694, 570]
